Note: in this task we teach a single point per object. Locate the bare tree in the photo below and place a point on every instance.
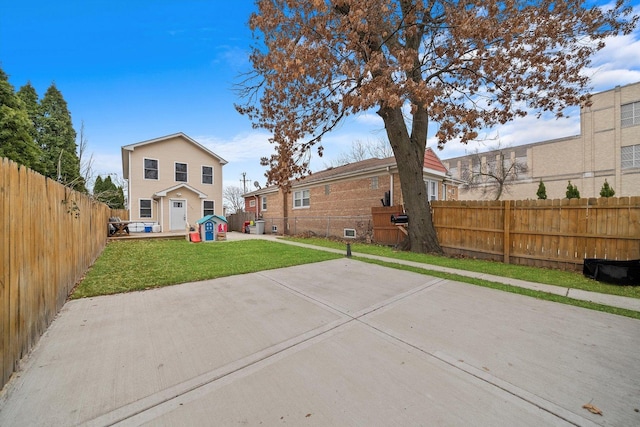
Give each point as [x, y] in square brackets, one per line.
[462, 65]
[233, 200]
[492, 172]
[360, 150]
[86, 161]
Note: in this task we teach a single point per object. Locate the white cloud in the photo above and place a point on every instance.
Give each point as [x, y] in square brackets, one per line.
[245, 146]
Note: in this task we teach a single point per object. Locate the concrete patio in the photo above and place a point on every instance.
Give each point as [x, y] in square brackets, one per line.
[334, 343]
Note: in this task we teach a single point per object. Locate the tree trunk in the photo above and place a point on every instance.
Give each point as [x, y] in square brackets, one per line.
[285, 212]
[409, 154]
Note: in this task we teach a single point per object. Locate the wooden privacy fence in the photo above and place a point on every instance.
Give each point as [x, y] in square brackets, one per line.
[49, 236]
[544, 233]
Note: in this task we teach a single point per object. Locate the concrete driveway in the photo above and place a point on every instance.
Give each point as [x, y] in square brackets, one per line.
[334, 343]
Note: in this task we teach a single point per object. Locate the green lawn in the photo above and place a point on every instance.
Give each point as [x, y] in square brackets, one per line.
[532, 274]
[133, 265]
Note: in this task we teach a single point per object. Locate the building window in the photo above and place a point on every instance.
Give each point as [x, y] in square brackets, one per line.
[208, 207]
[181, 172]
[327, 189]
[630, 156]
[301, 199]
[349, 233]
[145, 208]
[432, 190]
[150, 169]
[374, 183]
[207, 174]
[264, 203]
[630, 114]
[252, 203]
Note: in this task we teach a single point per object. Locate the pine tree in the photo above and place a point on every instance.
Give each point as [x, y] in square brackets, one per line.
[606, 190]
[29, 96]
[542, 191]
[572, 191]
[107, 192]
[57, 138]
[16, 141]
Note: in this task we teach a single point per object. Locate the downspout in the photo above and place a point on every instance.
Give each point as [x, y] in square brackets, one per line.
[390, 185]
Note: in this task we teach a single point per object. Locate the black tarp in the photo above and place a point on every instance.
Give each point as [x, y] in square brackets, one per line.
[613, 272]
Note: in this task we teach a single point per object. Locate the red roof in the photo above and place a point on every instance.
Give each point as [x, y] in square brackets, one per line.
[431, 161]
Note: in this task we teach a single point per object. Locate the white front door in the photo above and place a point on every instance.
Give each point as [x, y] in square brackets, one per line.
[178, 215]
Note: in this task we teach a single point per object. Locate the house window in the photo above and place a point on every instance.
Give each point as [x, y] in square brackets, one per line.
[264, 203]
[207, 174]
[327, 189]
[432, 190]
[349, 233]
[181, 172]
[301, 199]
[150, 169]
[630, 114]
[630, 156]
[145, 208]
[252, 203]
[208, 207]
[374, 183]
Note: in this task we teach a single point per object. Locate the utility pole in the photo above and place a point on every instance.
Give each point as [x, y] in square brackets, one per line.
[244, 181]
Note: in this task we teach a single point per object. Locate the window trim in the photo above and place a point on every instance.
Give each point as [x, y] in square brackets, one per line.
[634, 114]
[203, 175]
[347, 231]
[263, 203]
[150, 208]
[301, 199]
[144, 169]
[635, 157]
[204, 210]
[175, 171]
[429, 183]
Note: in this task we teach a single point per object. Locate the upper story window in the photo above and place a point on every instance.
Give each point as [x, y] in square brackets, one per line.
[630, 114]
[301, 199]
[181, 172]
[264, 203]
[630, 156]
[252, 203]
[207, 174]
[150, 169]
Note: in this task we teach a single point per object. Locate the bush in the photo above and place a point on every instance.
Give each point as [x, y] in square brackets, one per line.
[542, 191]
[572, 191]
[606, 190]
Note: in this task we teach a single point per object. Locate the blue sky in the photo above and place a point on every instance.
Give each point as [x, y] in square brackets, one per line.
[139, 69]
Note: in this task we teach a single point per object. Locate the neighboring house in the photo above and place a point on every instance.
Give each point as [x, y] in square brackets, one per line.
[608, 147]
[172, 180]
[348, 191]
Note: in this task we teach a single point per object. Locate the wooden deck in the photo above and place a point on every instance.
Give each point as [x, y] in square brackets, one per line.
[142, 235]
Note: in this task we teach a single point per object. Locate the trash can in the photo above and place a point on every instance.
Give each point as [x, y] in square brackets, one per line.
[148, 228]
[259, 227]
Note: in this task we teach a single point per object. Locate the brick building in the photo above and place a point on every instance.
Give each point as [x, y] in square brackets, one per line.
[608, 147]
[342, 197]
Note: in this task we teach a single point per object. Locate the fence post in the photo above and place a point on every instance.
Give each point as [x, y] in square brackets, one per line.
[506, 243]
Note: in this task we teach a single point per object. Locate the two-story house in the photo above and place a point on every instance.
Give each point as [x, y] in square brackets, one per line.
[172, 180]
